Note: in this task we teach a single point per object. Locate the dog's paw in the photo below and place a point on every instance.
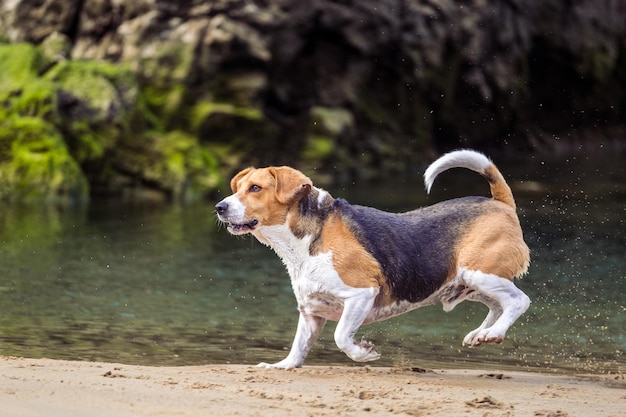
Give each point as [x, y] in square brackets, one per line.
[365, 344]
[284, 364]
[364, 352]
[265, 365]
[482, 336]
[371, 355]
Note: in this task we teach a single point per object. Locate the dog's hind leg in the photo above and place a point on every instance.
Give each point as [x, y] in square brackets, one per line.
[309, 329]
[355, 310]
[506, 303]
[495, 311]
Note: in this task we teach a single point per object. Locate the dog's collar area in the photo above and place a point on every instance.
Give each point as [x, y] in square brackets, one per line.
[236, 228]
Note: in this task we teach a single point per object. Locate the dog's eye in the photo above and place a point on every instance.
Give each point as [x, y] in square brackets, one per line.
[254, 188]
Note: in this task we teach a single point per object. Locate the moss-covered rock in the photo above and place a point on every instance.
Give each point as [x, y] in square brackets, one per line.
[95, 104]
[326, 128]
[174, 163]
[56, 47]
[63, 120]
[166, 67]
[235, 132]
[21, 90]
[19, 63]
[35, 165]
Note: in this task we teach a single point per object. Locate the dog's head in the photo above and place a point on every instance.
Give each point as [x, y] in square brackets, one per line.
[262, 197]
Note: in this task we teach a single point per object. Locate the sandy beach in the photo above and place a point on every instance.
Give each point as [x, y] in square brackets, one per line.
[54, 388]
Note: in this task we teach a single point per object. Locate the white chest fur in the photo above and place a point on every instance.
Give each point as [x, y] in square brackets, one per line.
[316, 284]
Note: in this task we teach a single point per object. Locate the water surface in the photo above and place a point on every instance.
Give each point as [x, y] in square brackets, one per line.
[166, 286]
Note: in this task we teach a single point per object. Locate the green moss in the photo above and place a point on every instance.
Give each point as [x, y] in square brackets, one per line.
[167, 103]
[187, 168]
[38, 166]
[318, 148]
[36, 98]
[93, 83]
[164, 76]
[19, 64]
[171, 63]
[331, 121]
[60, 118]
[21, 90]
[205, 109]
[107, 89]
[56, 47]
[174, 162]
[96, 105]
[35, 164]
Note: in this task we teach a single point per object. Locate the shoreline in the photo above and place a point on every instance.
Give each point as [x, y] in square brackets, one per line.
[60, 388]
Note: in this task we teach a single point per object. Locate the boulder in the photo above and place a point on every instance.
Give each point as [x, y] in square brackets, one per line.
[35, 163]
[36, 166]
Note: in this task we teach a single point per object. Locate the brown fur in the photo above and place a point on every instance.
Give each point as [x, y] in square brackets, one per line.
[355, 265]
[290, 184]
[494, 244]
[281, 186]
[500, 190]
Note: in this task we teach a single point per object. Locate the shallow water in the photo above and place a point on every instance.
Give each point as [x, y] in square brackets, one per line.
[166, 286]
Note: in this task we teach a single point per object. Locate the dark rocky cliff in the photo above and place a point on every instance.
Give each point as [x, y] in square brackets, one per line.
[365, 87]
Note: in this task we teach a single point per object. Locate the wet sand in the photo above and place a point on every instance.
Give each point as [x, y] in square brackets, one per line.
[36, 387]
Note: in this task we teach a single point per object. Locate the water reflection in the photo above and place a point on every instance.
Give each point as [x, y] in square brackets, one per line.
[164, 286]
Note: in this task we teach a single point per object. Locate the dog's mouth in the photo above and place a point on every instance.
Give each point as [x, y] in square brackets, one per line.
[241, 228]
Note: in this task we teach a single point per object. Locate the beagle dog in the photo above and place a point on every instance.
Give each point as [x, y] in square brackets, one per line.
[357, 265]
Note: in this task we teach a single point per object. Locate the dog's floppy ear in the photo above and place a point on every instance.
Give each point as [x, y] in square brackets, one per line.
[236, 178]
[291, 184]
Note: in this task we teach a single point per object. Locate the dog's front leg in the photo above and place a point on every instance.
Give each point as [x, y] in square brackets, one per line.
[309, 329]
[355, 310]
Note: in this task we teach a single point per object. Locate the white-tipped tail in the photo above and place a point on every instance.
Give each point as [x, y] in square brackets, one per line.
[465, 158]
[477, 162]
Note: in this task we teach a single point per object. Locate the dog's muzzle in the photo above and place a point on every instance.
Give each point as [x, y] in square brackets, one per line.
[234, 227]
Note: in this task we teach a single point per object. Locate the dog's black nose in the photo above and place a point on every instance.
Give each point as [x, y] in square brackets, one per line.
[221, 207]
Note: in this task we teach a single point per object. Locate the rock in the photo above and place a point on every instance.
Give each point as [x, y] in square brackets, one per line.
[174, 163]
[34, 20]
[36, 166]
[35, 163]
[56, 47]
[95, 102]
[247, 80]
[22, 91]
[65, 121]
